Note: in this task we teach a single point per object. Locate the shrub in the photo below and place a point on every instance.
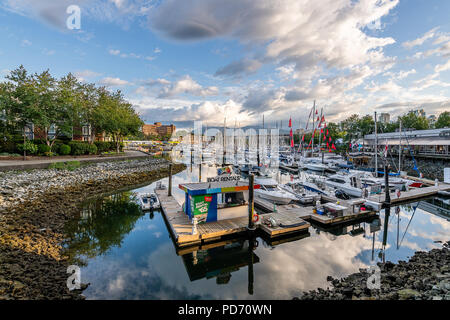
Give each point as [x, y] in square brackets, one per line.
[43, 148]
[64, 149]
[92, 149]
[28, 146]
[103, 146]
[79, 148]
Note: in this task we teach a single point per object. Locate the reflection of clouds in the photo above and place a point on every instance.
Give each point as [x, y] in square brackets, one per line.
[154, 271]
[443, 224]
[145, 227]
[281, 273]
[411, 245]
[116, 285]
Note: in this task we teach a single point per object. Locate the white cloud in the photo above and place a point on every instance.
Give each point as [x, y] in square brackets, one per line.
[401, 74]
[48, 52]
[329, 32]
[26, 43]
[113, 82]
[442, 67]
[86, 74]
[114, 52]
[419, 41]
[188, 86]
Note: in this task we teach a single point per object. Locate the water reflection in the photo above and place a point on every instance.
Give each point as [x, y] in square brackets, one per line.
[129, 255]
[102, 225]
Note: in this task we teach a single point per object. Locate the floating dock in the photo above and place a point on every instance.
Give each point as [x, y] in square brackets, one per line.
[411, 195]
[306, 213]
[181, 227]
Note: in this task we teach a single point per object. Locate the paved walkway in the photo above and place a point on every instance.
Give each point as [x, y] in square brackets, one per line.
[19, 164]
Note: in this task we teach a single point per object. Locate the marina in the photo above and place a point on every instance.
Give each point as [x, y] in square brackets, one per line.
[245, 265]
[290, 218]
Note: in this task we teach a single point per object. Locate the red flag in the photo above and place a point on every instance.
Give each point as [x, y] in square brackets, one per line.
[292, 142]
[329, 139]
[328, 146]
[324, 138]
[290, 133]
[290, 122]
[325, 125]
[309, 142]
[350, 144]
[303, 138]
[317, 118]
[327, 131]
[316, 111]
[321, 130]
[333, 147]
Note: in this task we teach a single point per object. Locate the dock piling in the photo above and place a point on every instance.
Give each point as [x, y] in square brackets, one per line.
[169, 193]
[387, 198]
[251, 201]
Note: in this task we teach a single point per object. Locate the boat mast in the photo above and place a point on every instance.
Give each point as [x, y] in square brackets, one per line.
[376, 147]
[320, 134]
[224, 140]
[400, 148]
[313, 128]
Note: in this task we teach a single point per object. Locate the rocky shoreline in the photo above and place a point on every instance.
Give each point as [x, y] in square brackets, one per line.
[34, 208]
[426, 276]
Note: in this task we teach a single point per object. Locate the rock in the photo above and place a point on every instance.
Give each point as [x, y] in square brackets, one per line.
[406, 294]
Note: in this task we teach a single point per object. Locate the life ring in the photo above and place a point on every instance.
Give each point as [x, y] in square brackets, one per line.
[255, 217]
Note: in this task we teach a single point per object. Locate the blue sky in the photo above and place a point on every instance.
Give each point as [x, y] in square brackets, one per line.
[181, 60]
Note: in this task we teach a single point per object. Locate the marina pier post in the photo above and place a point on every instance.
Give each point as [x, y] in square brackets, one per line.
[251, 202]
[387, 198]
[169, 193]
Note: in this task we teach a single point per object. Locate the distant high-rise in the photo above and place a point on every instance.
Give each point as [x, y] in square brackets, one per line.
[384, 118]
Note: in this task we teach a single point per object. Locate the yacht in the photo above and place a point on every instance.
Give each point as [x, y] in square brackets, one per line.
[303, 194]
[315, 165]
[351, 184]
[270, 190]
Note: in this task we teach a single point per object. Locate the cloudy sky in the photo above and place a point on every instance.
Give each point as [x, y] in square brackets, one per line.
[179, 60]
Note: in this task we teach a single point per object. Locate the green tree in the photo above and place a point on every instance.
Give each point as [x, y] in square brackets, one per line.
[412, 120]
[443, 121]
[117, 117]
[21, 106]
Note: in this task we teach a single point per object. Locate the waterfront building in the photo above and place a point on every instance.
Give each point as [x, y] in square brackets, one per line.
[158, 129]
[433, 143]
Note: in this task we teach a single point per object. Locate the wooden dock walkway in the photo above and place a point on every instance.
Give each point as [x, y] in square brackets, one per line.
[412, 194]
[181, 227]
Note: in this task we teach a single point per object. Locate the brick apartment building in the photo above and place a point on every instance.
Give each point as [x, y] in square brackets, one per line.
[81, 133]
[158, 129]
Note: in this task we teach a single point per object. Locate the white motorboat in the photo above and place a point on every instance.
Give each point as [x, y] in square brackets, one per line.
[351, 184]
[303, 195]
[315, 165]
[270, 190]
[368, 179]
[148, 201]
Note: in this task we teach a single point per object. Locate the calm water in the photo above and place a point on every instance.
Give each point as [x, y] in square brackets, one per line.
[125, 254]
